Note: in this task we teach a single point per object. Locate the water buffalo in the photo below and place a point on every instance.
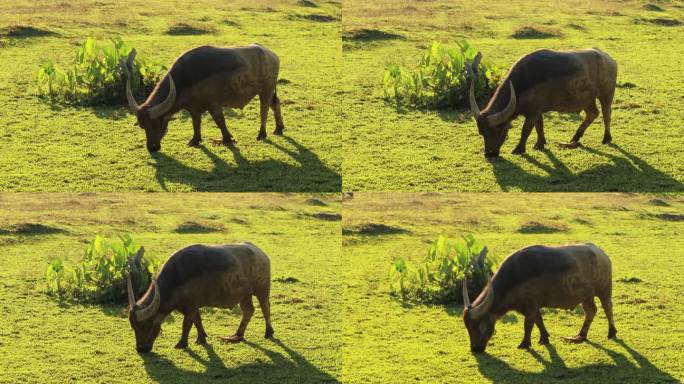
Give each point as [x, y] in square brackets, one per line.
[207, 79]
[542, 81]
[539, 276]
[200, 276]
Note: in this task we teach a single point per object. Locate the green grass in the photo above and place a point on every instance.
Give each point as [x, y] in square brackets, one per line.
[387, 341]
[43, 340]
[406, 149]
[59, 148]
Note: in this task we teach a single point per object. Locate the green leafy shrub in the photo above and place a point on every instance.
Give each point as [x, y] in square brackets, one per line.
[96, 77]
[440, 81]
[439, 277]
[101, 275]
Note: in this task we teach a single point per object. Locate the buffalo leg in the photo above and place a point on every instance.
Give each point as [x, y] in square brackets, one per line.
[607, 305]
[197, 130]
[589, 312]
[201, 334]
[529, 324]
[541, 139]
[264, 105]
[591, 114]
[606, 110]
[543, 333]
[265, 304]
[526, 130]
[187, 325]
[219, 119]
[275, 105]
[247, 308]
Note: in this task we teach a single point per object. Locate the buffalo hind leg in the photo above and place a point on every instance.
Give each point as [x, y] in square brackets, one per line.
[187, 325]
[606, 110]
[526, 130]
[197, 130]
[543, 333]
[265, 304]
[201, 334]
[219, 119]
[541, 139]
[591, 114]
[275, 106]
[607, 305]
[589, 312]
[264, 104]
[529, 324]
[247, 308]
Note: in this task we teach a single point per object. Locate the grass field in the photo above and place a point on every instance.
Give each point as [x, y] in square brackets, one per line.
[387, 342]
[44, 341]
[401, 149]
[58, 148]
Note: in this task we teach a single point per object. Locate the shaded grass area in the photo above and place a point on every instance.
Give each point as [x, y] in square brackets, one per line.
[53, 342]
[386, 340]
[401, 149]
[50, 147]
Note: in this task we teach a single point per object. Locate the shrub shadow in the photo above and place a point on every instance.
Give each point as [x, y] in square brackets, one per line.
[310, 175]
[283, 365]
[620, 371]
[628, 173]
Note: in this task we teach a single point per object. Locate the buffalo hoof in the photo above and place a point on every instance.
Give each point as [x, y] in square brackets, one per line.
[544, 340]
[269, 333]
[194, 142]
[181, 344]
[279, 130]
[575, 339]
[607, 140]
[201, 340]
[525, 345]
[519, 150]
[262, 136]
[232, 339]
[539, 146]
[570, 145]
[612, 333]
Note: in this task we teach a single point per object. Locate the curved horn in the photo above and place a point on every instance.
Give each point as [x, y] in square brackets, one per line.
[131, 295]
[145, 313]
[485, 304]
[466, 298]
[166, 105]
[471, 72]
[506, 113]
[132, 104]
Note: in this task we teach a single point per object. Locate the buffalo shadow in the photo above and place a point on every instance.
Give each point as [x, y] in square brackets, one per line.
[628, 173]
[311, 175]
[287, 367]
[622, 370]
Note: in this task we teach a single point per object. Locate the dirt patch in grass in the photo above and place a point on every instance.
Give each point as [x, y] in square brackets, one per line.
[536, 32]
[199, 227]
[316, 203]
[307, 3]
[670, 216]
[659, 203]
[663, 22]
[288, 280]
[327, 216]
[626, 84]
[543, 227]
[373, 229]
[30, 229]
[629, 280]
[366, 34]
[184, 29]
[25, 32]
[316, 18]
[231, 23]
[577, 27]
[653, 7]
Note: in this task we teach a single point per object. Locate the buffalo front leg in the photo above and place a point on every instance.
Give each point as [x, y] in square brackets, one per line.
[201, 334]
[591, 114]
[264, 105]
[247, 308]
[219, 119]
[589, 312]
[529, 323]
[275, 105]
[526, 130]
[187, 325]
[197, 130]
[541, 139]
[265, 304]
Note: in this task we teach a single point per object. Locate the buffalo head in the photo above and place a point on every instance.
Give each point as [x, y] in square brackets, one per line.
[493, 126]
[153, 119]
[143, 317]
[478, 321]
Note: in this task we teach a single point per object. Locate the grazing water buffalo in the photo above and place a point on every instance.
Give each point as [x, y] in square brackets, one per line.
[545, 81]
[202, 276]
[207, 79]
[539, 276]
